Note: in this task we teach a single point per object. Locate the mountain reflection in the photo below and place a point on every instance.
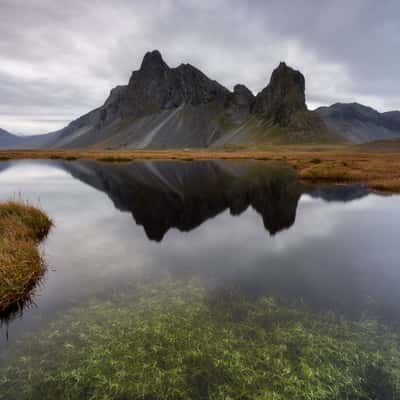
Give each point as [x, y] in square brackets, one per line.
[165, 195]
[162, 195]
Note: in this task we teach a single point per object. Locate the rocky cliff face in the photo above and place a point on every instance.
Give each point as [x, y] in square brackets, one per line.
[167, 107]
[156, 86]
[283, 97]
[164, 107]
[239, 104]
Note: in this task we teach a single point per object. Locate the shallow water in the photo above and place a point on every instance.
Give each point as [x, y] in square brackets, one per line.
[249, 226]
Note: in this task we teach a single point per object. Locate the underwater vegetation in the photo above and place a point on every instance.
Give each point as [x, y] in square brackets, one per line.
[22, 227]
[178, 341]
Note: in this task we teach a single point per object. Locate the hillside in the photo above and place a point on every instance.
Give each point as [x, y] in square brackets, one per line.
[8, 140]
[360, 124]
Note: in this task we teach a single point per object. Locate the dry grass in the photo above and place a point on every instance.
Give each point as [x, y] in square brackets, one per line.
[379, 171]
[21, 265]
[333, 163]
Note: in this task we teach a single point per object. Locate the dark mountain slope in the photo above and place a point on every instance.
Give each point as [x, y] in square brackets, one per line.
[283, 97]
[7, 139]
[160, 107]
[359, 124]
[279, 114]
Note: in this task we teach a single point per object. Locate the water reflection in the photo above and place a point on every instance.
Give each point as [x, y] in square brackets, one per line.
[165, 195]
[252, 226]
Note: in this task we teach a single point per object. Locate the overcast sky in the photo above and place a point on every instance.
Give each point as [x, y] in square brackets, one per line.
[59, 59]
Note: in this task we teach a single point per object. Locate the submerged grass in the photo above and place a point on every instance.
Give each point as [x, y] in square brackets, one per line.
[21, 228]
[173, 341]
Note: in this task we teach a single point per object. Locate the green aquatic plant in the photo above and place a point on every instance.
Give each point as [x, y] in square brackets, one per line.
[175, 341]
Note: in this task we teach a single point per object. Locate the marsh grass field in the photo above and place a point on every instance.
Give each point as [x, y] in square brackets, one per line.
[22, 227]
[377, 166]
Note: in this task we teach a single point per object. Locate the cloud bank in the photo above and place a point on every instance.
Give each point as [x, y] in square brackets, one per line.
[59, 60]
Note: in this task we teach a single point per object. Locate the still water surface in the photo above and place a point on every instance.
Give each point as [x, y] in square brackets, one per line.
[246, 225]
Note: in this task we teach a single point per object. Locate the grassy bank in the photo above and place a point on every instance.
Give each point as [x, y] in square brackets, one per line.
[21, 265]
[175, 341]
[380, 170]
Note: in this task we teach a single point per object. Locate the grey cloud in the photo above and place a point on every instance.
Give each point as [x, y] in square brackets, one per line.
[58, 60]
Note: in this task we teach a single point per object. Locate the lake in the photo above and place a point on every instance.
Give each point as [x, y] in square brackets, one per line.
[130, 237]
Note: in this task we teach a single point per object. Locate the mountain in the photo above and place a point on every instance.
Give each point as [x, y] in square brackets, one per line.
[359, 124]
[8, 140]
[283, 97]
[166, 107]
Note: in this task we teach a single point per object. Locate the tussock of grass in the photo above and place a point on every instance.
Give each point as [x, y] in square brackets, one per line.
[172, 341]
[326, 173]
[21, 228]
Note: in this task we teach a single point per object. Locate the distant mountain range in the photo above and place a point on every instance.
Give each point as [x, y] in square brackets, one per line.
[180, 107]
[9, 140]
[360, 124]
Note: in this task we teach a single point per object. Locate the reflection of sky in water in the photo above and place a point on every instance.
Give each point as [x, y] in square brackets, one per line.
[342, 255]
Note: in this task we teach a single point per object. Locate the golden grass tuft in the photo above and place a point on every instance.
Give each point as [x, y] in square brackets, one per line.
[21, 265]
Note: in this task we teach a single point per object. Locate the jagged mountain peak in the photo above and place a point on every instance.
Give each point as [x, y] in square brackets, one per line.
[243, 90]
[156, 87]
[288, 75]
[242, 96]
[164, 106]
[282, 64]
[283, 97]
[153, 60]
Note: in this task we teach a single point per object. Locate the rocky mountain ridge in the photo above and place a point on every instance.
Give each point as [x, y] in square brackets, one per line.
[181, 107]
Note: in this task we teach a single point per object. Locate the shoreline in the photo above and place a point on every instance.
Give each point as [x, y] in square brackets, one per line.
[379, 171]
